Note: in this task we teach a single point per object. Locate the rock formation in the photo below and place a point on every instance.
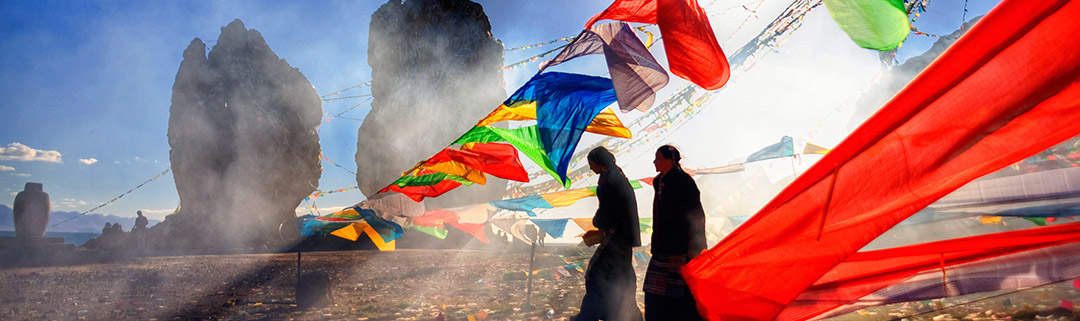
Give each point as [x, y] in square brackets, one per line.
[32, 209]
[244, 147]
[436, 71]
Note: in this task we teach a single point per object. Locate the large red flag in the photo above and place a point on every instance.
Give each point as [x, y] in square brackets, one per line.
[1006, 90]
[692, 50]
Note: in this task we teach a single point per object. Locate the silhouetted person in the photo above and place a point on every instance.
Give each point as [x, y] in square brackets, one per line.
[678, 237]
[139, 231]
[140, 222]
[610, 282]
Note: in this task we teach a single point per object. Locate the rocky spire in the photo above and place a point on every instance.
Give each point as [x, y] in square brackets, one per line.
[436, 70]
[244, 147]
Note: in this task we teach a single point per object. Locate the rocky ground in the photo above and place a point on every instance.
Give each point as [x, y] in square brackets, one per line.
[367, 285]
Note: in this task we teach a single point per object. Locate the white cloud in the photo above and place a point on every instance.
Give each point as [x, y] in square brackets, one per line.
[20, 152]
[88, 161]
[6, 168]
[70, 203]
[22, 174]
[157, 214]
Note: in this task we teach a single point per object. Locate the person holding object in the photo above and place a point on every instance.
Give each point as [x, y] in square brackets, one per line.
[610, 282]
[678, 237]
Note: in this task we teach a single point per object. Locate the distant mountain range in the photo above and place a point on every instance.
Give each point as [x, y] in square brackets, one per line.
[90, 223]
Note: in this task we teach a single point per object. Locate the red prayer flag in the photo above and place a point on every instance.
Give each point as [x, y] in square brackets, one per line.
[1066, 304]
[436, 218]
[1004, 91]
[692, 50]
[417, 193]
[498, 159]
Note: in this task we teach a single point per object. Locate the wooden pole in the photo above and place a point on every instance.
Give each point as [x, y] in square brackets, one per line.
[528, 289]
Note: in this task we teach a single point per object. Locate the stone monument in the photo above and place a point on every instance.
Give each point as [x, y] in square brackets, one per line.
[32, 209]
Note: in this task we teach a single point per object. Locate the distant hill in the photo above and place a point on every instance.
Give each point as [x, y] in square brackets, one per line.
[91, 223]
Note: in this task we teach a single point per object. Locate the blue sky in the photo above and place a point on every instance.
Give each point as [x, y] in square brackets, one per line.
[87, 84]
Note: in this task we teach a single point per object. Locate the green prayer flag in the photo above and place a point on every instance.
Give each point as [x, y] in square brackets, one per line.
[872, 24]
[439, 232]
[525, 139]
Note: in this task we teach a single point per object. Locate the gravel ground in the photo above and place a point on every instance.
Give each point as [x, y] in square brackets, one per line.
[367, 285]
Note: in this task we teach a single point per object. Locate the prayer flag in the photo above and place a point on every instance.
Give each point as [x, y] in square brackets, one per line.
[553, 227]
[873, 24]
[691, 47]
[785, 148]
[1009, 81]
[635, 73]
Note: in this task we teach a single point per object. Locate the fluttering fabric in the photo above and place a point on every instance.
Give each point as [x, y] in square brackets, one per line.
[460, 218]
[584, 223]
[524, 204]
[863, 273]
[635, 73]
[605, 123]
[352, 232]
[568, 197]
[785, 148]
[426, 185]
[691, 47]
[814, 149]
[525, 139]
[437, 232]
[1005, 90]
[386, 228]
[566, 104]
[872, 24]
[1014, 271]
[392, 204]
[499, 160]
[553, 227]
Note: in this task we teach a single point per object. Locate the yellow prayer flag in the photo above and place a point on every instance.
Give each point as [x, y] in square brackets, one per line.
[811, 148]
[567, 198]
[584, 223]
[605, 123]
[990, 219]
[455, 168]
[348, 232]
[352, 232]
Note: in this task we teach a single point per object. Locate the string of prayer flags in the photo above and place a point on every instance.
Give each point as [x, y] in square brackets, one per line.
[692, 50]
[540, 44]
[878, 24]
[525, 204]
[107, 203]
[635, 73]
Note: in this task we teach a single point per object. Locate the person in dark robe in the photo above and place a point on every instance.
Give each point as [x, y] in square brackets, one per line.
[610, 282]
[678, 237]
